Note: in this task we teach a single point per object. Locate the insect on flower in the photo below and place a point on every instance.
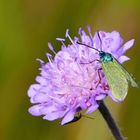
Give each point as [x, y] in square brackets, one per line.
[75, 119]
[115, 73]
[65, 83]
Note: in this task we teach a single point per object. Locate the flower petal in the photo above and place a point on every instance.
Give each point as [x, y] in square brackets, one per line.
[123, 58]
[53, 115]
[92, 108]
[100, 97]
[33, 89]
[35, 110]
[68, 117]
[126, 46]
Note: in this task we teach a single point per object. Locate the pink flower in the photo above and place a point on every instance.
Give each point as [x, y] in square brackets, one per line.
[72, 80]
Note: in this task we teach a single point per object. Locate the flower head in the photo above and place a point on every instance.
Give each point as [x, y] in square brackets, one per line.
[74, 80]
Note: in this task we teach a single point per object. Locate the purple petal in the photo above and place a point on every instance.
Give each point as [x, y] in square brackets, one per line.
[35, 110]
[111, 41]
[117, 41]
[53, 115]
[126, 46]
[41, 80]
[40, 98]
[100, 97]
[48, 109]
[123, 58]
[68, 117]
[92, 108]
[96, 40]
[33, 89]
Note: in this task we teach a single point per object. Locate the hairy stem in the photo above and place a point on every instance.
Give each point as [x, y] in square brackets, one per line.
[110, 121]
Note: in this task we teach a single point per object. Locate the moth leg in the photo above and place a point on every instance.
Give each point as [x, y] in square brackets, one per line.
[91, 61]
[98, 71]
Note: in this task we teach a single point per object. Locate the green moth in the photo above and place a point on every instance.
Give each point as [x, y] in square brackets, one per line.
[116, 75]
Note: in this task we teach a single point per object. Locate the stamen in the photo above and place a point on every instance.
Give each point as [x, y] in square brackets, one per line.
[61, 40]
[80, 67]
[68, 36]
[89, 31]
[80, 31]
[41, 62]
[51, 48]
[88, 117]
[49, 56]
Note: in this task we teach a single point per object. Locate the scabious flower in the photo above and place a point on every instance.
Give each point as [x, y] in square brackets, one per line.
[74, 80]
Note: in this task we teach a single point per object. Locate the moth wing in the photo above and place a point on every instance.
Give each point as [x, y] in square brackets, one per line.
[128, 76]
[116, 78]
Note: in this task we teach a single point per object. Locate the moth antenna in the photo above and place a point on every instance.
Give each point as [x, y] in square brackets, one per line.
[87, 46]
[87, 117]
[100, 40]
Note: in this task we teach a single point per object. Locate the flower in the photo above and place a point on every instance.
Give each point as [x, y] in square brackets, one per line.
[74, 80]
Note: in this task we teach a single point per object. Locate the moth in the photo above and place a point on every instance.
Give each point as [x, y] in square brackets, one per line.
[116, 75]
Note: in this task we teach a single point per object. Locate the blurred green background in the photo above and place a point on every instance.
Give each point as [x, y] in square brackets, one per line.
[26, 26]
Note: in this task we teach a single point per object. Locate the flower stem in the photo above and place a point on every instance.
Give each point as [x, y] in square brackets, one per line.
[110, 121]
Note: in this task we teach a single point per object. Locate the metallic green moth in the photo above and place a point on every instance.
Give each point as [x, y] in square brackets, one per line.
[116, 75]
